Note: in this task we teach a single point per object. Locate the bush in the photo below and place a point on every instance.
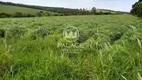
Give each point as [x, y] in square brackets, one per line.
[4, 15]
[19, 14]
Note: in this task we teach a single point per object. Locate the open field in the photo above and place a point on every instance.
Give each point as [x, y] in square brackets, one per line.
[28, 48]
[13, 9]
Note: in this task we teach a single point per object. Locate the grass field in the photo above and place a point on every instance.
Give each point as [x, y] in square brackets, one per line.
[13, 9]
[28, 48]
[104, 11]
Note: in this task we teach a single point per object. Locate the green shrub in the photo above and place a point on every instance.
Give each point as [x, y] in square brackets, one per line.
[19, 14]
[4, 15]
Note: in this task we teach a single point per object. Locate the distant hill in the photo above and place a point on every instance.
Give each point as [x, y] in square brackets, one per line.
[13, 9]
[8, 8]
[21, 7]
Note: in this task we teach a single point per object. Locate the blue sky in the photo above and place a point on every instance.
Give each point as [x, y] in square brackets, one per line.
[119, 5]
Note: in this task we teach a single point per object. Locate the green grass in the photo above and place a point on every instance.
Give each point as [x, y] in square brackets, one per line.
[13, 9]
[27, 53]
[106, 11]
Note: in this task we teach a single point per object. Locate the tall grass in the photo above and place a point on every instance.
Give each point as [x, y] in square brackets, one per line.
[113, 48]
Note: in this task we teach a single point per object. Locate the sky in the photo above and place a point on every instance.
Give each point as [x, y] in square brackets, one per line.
[118, 5]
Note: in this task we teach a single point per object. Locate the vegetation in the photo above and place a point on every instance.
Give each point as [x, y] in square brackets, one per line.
[8, 9]
[15, 11]
[94, 10]
[137, 9]
[28, 48]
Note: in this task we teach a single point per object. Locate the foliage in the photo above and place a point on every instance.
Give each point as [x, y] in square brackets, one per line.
[38, 11]
[4, 15]
[94, 10]
[137, 9]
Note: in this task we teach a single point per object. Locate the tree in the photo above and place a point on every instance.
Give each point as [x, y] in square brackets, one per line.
[137, 9]
[94, 10]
